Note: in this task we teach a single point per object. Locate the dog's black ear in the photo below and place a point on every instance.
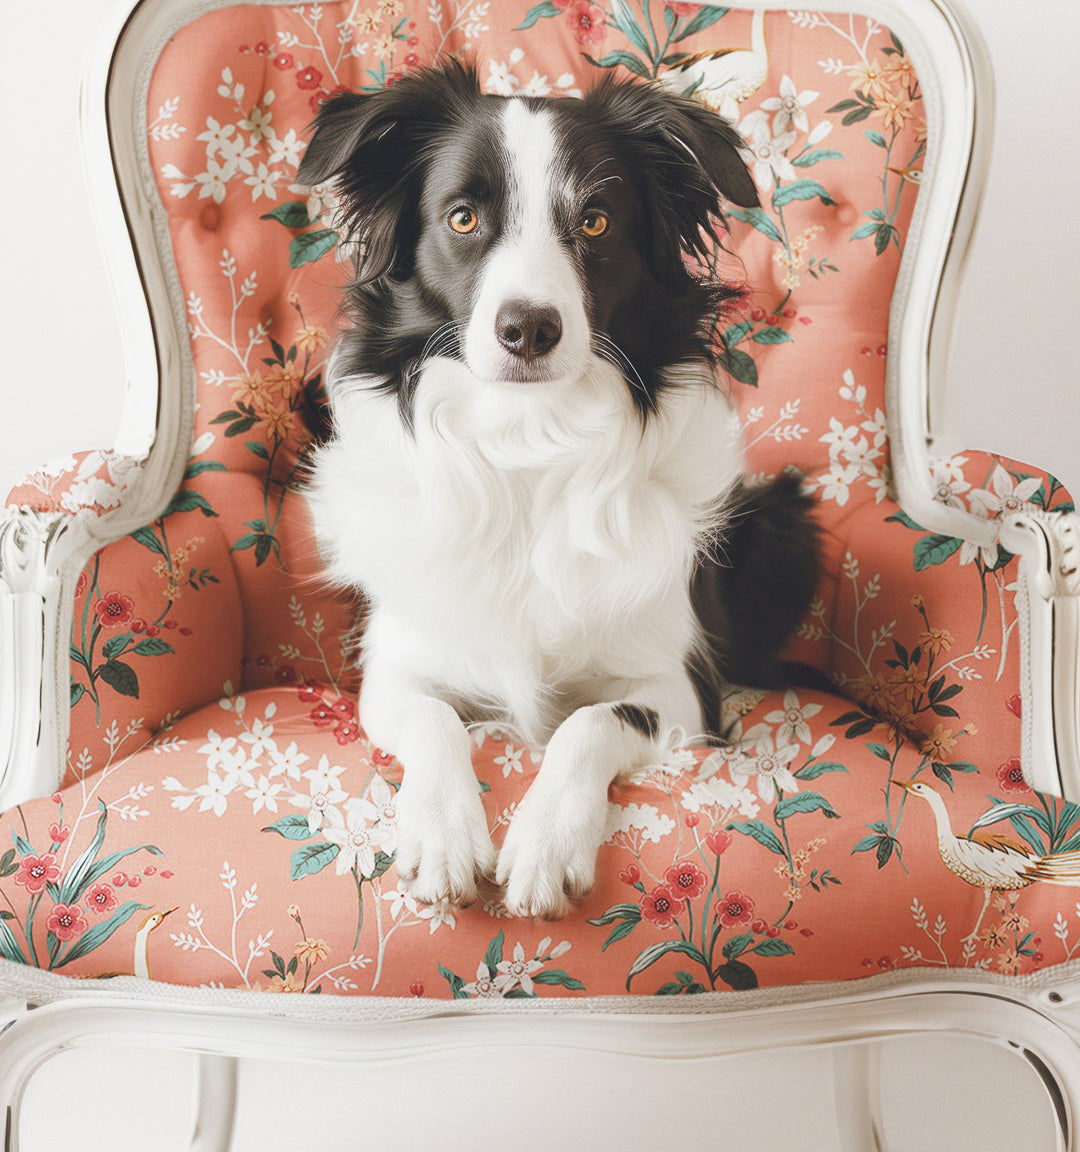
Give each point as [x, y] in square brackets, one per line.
[336, 133]
[373, 147]
[690, 158]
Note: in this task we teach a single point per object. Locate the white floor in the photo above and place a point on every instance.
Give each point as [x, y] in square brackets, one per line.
[952, 1093]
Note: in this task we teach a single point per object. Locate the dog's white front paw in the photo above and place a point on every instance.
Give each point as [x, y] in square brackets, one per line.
[549, 857]
[443, 843]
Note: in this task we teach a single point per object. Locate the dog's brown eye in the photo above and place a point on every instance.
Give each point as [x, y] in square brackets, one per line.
[463, 220]
[594, 224]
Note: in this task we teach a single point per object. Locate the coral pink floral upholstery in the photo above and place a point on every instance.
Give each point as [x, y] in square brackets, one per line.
[217, 775]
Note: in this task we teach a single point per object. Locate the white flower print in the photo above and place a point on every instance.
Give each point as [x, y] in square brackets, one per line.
[321, 801]
[218, 750]
[947, 477]
[517, 971]
[214, 180]
[286, 149]
[264, 795]
[260, 737]
[400, 901]
[768, 767]
[789, 107]
[357, 837]
[793, 720]
[717, 792]
[511, 760]
[1003, 496]
[645, 818]
[767, 151]
[485, 986]
[288, 762]
[262, 183]
[214, 792]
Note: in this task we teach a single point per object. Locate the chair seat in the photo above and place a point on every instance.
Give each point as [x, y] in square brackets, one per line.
[250, 844]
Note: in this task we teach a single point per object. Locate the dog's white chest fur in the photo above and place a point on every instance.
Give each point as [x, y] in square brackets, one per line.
[525, 552]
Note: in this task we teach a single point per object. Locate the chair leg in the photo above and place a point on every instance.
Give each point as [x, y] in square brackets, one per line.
[857, 1092]
[215, 1103]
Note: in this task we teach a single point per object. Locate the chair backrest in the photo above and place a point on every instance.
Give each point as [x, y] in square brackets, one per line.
[827, 356]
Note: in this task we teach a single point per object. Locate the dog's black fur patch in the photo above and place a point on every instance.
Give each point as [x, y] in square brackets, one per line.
[643, 720]
[751, 596]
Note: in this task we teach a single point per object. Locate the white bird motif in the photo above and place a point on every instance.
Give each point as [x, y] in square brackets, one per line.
[990, 861]
[724, 73]
[141, 962]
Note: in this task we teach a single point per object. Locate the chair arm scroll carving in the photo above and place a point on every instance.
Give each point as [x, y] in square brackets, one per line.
[37, 551]
[1049, 546]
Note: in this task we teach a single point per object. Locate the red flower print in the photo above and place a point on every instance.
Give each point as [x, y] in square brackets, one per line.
[344, 709]
[1015, 704]
[120, 879]
[308, 78]
[114, 609]
[661, 906]
[101, 898]
[735, 908]
[59, 833]
[347, 731]
[416, 988]
[383, 759]
[262, 48]
[678, 8]
[81, 583]
[631, 874]
[138, 624]
[718, 841]
[284, 61]
[692, 820]
[687, 879]
[587, 22]
[323, 715]
[286, 674]
[37, 871]
[318, 100]
[310, 691]
[1011, 776]
[66, 921]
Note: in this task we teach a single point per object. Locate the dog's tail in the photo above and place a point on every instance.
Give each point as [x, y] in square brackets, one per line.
[752, 596]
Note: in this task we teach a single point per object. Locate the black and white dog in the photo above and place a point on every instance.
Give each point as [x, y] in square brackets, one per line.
[533, 476]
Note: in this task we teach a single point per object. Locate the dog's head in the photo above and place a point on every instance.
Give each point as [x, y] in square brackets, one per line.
[522, 235]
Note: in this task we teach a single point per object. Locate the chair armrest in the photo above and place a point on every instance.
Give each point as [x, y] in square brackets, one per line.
[1048, 544]
[87, 484]
[40, 552]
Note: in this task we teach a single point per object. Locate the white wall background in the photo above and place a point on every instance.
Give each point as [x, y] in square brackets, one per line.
[1013, 387]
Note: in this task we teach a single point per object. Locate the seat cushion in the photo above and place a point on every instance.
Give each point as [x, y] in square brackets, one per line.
[250, 845]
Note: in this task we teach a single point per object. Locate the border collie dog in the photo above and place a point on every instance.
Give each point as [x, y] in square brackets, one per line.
[533, 477]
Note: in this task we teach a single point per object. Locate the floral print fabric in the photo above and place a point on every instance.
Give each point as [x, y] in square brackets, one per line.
[224, 820]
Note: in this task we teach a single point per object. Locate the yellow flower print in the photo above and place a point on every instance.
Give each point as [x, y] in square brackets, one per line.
[311, 950]
[894, 108]
[310, 339]
[367, 21]
[935, 640]
[899, 70]
[279, 419]
[384, 47]
[250, 390]
[391, 8]
[870, 79]
[939, 743]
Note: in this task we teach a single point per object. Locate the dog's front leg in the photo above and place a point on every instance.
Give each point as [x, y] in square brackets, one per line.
[443, 838]
[549, 855]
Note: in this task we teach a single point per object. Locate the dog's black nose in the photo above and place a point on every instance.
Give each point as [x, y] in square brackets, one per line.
[528, 330]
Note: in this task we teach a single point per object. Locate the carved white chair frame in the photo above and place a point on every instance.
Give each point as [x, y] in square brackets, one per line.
[42, 554]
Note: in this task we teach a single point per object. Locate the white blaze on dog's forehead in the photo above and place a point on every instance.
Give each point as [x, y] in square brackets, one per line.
[529, 139]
